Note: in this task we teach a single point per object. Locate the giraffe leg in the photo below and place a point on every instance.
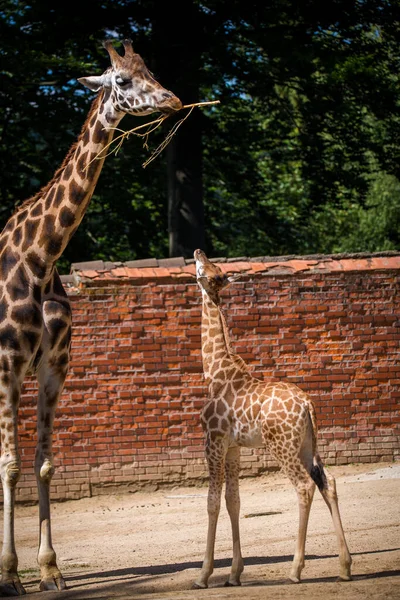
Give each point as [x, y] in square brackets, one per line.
[305, 497]
[10, 584]
[50, 387]
[51, 375]
[215, 454]
[232, 498]
[305, 489]
[330, 496]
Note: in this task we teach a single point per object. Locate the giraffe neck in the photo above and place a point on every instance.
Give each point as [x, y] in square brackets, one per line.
[216, 347]
[41, 228]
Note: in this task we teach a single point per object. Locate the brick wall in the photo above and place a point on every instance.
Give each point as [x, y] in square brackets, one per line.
[129, 414]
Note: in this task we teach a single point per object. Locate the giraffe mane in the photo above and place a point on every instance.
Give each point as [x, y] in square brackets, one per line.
[95, 104]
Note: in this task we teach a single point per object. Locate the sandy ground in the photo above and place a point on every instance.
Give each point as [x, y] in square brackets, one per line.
[151, 545]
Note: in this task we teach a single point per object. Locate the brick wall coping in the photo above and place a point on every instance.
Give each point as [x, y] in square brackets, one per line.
[94, 273]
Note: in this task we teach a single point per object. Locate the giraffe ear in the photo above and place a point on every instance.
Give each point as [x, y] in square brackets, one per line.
[234, 277]
[93, 82]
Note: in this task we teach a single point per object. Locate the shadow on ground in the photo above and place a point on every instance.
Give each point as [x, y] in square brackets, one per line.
[123, 583]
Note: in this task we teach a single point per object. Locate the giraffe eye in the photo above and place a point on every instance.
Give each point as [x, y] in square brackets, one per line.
[122, 82]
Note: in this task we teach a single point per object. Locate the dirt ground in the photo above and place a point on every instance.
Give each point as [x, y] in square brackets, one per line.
[150, 545]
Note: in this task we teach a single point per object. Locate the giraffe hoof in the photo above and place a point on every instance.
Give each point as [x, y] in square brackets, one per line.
[12, 589]
[230, 584]
[344, 578]
[293, 580]
[53, 584]
[199, 586]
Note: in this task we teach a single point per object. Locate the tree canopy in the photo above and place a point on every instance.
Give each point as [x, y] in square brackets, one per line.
[300, 156]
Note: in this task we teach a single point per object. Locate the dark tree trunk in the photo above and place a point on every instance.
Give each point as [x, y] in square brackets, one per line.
[177, 35]
[185, 193]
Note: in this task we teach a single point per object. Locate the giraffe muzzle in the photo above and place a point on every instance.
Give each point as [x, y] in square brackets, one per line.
[171, 105]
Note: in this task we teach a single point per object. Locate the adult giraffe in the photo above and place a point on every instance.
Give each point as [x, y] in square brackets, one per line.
[244, 411]
[35, 315]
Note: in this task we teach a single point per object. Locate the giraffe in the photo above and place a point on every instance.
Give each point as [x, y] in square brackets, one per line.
[244, 411]
[35, 315]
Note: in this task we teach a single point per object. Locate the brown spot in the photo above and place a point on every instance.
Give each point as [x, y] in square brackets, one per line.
[207, 348]
[59, 195]
[4, 364]
[289, 404]
[221, 407]
[54, 245]
[215, 388]
[76, 192]
[17, 236]
[27, 314]
[31, 228]
[215, 369]
[36, 265]
[3, 309]
[49, 198]
[3, 242]
[281, 414]
[8, 260]
[68, 169]
[237, 384]
[37, 210]
[18, 288]
[213, 423]
[208, 410]
[10, 226]
[99, 133]
[224, 425]
[86, 137]
[22, 216]
[82, 164]
[66, 217]
[229, 397]
[47, 229]
[8, 338]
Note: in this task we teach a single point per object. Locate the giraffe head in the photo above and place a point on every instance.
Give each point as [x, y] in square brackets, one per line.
[129, 85]
[210, 277]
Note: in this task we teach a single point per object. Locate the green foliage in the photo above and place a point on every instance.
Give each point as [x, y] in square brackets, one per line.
[301, 156]
[375, 226]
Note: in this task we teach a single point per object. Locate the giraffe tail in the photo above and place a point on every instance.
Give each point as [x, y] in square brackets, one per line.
[317, 472]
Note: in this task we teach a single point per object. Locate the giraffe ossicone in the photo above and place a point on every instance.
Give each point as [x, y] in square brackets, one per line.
[35, 314]
[242, 411]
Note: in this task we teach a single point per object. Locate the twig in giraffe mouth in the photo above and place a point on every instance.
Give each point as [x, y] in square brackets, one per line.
[149, 128]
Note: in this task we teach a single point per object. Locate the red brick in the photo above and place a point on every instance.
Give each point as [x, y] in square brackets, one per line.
[135, 388]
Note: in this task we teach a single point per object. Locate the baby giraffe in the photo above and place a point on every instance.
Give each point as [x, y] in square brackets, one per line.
[244, 411]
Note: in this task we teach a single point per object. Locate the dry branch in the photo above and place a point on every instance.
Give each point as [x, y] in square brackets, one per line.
[149, 128]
